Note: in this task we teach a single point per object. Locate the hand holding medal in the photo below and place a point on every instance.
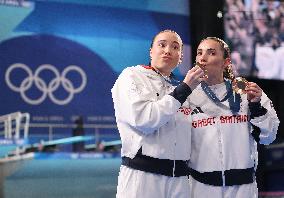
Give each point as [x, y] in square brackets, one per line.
[194, 76]
[239, 84]
[254, 92]
[203, 68]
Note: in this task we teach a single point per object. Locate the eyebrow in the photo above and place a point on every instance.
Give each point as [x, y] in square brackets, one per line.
[209, 49]
[166, 41]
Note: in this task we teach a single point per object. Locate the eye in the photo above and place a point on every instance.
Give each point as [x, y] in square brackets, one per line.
[211, 52]
[162, 44]
[176, 47]
[199, 53]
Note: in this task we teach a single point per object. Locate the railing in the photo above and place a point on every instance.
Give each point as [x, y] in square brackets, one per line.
[17, 126]
[13, 123]
[52, 126]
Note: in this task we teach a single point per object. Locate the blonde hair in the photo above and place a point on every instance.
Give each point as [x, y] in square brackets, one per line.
[167, 30]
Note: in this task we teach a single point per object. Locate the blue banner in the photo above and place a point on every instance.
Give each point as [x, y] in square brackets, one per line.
[59, 59]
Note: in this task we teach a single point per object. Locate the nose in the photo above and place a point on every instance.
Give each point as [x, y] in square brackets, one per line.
[167, 50]
[202, 58]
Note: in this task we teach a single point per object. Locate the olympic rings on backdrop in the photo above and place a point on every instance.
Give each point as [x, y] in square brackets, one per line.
[46, 89]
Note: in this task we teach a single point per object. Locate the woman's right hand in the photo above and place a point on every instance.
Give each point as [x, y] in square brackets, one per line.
[193, 77]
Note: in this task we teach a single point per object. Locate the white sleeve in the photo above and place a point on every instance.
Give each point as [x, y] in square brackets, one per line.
[135, 103]
[267, 123]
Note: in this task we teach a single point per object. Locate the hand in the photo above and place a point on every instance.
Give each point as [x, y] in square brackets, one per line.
[254, 92]
[194, 77]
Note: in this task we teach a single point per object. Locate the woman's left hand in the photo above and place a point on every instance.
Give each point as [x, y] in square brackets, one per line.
[254, 92]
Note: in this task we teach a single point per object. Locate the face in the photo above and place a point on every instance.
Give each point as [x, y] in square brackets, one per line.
[211, 55]
[166, 52]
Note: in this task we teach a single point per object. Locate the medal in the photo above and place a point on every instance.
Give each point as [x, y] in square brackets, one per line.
[204, 69]
[239, 84]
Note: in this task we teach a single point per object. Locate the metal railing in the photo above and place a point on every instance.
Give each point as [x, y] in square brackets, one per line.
[52, 126]
[13, 123]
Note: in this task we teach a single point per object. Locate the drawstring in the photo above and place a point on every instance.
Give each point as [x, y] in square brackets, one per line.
[174, 168]
[175, 142]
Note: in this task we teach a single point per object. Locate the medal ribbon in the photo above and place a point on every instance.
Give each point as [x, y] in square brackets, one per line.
[233, 99]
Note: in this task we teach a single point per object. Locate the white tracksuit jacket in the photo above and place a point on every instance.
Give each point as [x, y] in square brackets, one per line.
[148, 117]
[222, 141]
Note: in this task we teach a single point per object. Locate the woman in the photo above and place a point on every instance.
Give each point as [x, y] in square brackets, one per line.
[225, 128]
[153, 122]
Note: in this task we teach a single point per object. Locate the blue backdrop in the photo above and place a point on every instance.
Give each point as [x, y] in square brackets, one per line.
[60, 58]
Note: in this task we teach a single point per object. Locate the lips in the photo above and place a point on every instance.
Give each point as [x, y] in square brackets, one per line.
[166, 57]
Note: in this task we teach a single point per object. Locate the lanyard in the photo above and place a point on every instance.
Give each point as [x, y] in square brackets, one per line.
[171, 80]
[233, 99]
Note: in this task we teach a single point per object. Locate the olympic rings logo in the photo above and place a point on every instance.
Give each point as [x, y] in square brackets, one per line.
[46, 89]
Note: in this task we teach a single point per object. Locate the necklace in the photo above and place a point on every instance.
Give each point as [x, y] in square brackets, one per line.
[233, 99]
[170, 79]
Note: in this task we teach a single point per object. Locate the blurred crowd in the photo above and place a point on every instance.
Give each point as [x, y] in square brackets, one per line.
[255, 32]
